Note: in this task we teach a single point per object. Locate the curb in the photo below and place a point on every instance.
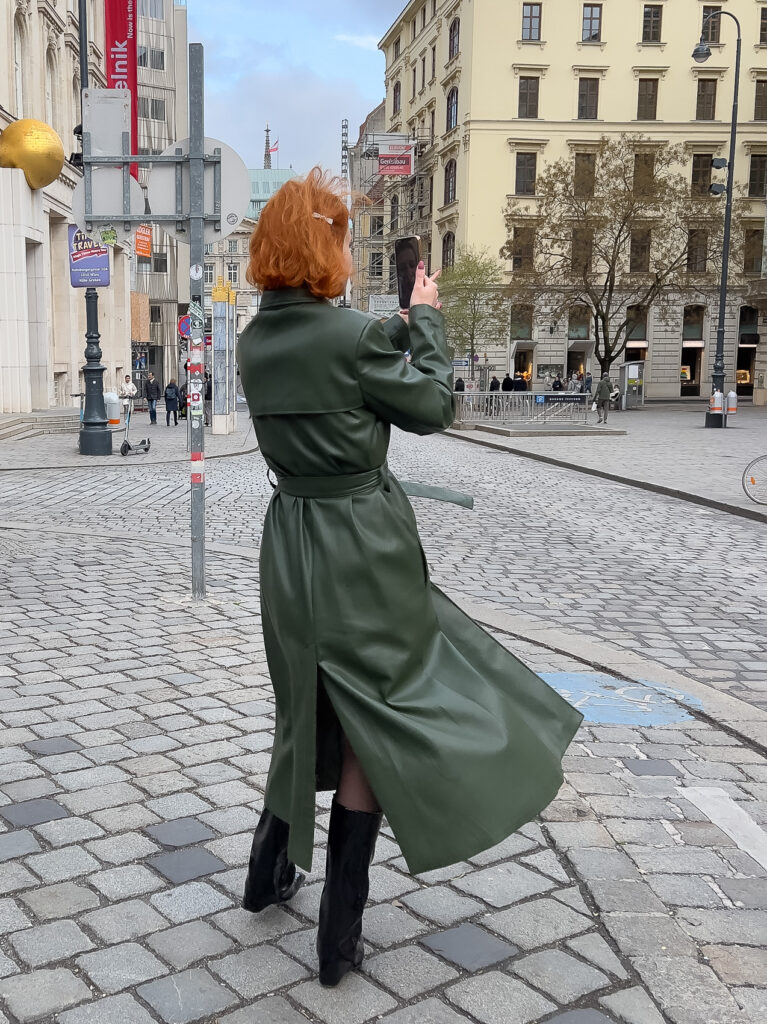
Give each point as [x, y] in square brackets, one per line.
[746, 723]
[642, 485]
[124, 463]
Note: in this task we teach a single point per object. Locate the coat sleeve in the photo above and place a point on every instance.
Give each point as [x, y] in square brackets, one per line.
[417, 396]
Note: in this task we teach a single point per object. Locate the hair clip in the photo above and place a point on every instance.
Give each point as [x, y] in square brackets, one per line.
[321, 216]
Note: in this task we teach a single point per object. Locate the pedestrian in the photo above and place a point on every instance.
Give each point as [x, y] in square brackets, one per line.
[460, 385]
[172, 398]
[128, 390]
[574, 383]
[183, 392]
[588, 382]
[208, 398]
[495, 384]
[386, 692]
[152, 395]
[519, 383]
[507, 384]
[602, 398]
[556, 384]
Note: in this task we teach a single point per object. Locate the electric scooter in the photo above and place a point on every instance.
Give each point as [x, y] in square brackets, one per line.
[126, 448]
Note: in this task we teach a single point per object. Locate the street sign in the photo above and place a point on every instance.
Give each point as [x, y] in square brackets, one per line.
[88, 261]
[185, 326]
[143, 244]
[460, 362]
[235, 190]
[383, 304]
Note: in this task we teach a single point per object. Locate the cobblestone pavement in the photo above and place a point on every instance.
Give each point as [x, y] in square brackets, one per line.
[676, 582]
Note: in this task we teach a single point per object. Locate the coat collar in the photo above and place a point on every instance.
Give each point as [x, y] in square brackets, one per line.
[275, 298]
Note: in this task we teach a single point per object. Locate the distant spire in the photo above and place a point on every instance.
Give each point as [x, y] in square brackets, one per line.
[267, 153]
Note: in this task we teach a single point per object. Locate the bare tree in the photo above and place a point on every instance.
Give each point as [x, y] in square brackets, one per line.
[614, 231]
[475, 301]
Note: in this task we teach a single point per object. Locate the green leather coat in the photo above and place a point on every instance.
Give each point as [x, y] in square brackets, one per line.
[460, 741]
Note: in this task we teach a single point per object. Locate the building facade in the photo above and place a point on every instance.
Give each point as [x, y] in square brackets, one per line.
[368, 211]
[226, 262]
[492, 91]
[42, 318]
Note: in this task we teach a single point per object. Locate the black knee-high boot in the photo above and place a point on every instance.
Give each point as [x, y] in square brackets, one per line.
[351, 845]
[272, 878]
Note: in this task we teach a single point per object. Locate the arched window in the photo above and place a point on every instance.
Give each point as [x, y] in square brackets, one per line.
[448, 250]
[51, 99]
[18, 66]
[452, 109]
[450, 181]
[397, 98]
[76, 112]
[394, 224]
[453, 38]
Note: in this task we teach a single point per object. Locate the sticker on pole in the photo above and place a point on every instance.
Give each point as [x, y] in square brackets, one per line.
[185, 326]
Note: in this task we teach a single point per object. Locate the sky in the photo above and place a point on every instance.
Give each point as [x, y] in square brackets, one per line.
[300, 65]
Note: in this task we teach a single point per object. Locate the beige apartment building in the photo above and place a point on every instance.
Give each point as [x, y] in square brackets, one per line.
[493, 90]
[42, 318]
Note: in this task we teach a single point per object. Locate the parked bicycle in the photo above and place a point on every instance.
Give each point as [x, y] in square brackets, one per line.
[755, 480]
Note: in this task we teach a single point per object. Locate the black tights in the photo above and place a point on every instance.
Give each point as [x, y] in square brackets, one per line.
[167, 417]
[354, 792]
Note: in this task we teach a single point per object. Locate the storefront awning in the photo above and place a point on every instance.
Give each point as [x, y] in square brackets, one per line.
[580, 345]
[521, 344]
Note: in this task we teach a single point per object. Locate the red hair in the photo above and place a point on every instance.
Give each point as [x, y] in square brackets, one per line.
[291, 247]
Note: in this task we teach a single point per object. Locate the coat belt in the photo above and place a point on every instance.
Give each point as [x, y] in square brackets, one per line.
[343, 485]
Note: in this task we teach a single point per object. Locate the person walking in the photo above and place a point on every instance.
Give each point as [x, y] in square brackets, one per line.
[495, 384]
[460, 385]
[602, 398]
[386, 692]
[152, 394]
[507, 384]
[207, 401]
[519, 383]
[183, 393]
[588, 383]
[128, 390]
[172, 399]
[556, 384]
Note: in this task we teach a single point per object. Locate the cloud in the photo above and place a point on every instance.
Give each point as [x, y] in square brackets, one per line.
[363, 42]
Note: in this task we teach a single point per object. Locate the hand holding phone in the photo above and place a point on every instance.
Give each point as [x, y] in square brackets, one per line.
[425, 291]
[407, 254]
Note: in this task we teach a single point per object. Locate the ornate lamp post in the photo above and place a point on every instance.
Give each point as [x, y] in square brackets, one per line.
[700, 54]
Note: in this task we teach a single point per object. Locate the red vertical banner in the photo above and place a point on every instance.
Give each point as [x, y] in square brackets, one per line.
[121, 29]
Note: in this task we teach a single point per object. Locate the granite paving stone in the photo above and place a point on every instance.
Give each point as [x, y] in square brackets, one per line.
[738, 965]
[54, 745]
[189, 901]
[441, 905]
[469, 947]
[187, 943]
[250, 929]
[123, 882]
[688, 992]
[627, 895]
[180, 832]
[17, 844]
[559, 975]
[589, 1016]
[632, 1006]
[186, 865]
[503, 884]
[678, 859]
[353, 1001]
[130, 919]
[33, 812]
[120, 967]
[650, 935]
[189, 996]
[745, 927]
[495, 998]
[122, 849]
[66, 899]
[47, 943]
[592, 947]
[684, 890]
[386, 925]
[408, 971]
[273, 1010]
[121, 1009]
[31, 996]
[747, 892]
[598, 864]
[12, 918]
[259, 970]
[537, 923]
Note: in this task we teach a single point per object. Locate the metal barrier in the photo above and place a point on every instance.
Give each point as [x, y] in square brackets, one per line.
[522, 407]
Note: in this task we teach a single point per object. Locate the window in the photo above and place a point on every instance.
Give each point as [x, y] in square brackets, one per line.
[757, 176]
[232, 245]
[208, 248]
[636, 323]
[432, 128]
[233, 273]
[697, 244]
[585, 174]
[701, 174]
[413, 30]
[434, 8]
[523, 245]
[415, 81]
[579, 323]
[760, 100]
[763, 27]
[582, 250]
[448, 250]
[644, 172]
[705, 109]
[376, 264]
[160, 263]
[396, 98]
[142, 56]
[144, 263]
[592, 23]
[531, 22]
[157, 59]
[51, 92]
[151, 9]
[431, 193]
[376, 225]
[710, 30]
[397, 48]
[433, 63]
[143, 106]
[753, 250]
[647, 103]
[525, 182]
[18, 65]
[450, 181]
[208, 273]
[423, 72]
[453, 38]
[639, 257]
[151, 108]
[588, 99]
[452, 109]
[521, 325]
[155, 314]
[394, 222]
[692, 323]
[651, 23]
[158, 110]
[423, 17]
[528, 97]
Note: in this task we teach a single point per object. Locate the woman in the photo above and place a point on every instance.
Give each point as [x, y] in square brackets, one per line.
[172, 398]
[385, 691]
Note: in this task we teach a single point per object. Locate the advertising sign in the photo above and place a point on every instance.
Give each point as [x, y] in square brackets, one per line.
[144, 240]
[395, 158]
[120, 27]
[88, 261]
[384, 305]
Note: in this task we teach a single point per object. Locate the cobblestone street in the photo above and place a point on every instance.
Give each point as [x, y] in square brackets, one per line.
[136, 737]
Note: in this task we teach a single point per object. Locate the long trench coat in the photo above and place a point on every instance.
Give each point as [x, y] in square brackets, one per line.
[460, 741]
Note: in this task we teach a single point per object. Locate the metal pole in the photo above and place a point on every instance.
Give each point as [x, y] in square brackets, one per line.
[95, 435]
[197, 314]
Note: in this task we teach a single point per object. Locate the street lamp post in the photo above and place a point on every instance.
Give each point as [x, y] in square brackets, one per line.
[95, 435]
[700, 54]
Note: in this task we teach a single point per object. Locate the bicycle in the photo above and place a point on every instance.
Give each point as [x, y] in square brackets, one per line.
[755, 480]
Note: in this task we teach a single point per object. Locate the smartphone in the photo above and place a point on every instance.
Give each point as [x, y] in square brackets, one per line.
[407, 253]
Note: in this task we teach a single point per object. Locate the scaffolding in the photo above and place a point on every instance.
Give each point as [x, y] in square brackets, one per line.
[393, 206]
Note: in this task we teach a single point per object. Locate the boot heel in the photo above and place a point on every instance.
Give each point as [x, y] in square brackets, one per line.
[271, 877]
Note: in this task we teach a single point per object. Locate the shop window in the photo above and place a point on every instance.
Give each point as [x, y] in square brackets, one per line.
[701, 173]
[753, 248]
[525, 177]
[588, 99]
[651, 23]
[451, 120]
[579, 324]
[748, 340]
[692, 323]
[585, 174]
[528, 96]
[454, 38]
[647, 99]
[757, 176]
[705, 107]
[760, 100]
[450, 182]
[592, 23]
[523, 248]
[448, 250]
[521, 327]
[697, 250]
[531, 22]
[639, 257]
[636, 323]
[710, 29]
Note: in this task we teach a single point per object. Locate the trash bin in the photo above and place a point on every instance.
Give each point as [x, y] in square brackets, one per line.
[112, 405]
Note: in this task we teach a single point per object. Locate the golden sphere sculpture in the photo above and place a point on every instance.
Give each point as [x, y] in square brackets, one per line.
[35, 148]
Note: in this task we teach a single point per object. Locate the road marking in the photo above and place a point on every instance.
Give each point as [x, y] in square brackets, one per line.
[730, 817]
